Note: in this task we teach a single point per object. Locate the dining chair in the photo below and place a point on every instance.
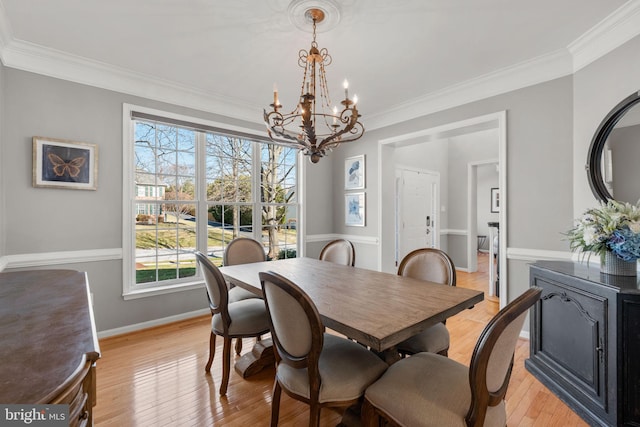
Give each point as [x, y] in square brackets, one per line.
[245, 318]
[431, 265]
[242, 250]
[431, 390]
[320, 369]
[340, 251]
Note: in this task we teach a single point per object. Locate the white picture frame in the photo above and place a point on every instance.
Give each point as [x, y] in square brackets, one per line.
[354, 173]
[60, 163]
[354, 209]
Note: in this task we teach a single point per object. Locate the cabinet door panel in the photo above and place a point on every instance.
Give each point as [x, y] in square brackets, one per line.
[631, 367]
[572, 336]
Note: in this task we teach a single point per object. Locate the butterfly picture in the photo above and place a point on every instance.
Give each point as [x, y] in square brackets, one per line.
[62, 168]
[60, 163]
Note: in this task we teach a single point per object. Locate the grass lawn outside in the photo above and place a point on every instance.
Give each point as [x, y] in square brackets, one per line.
[171, 235]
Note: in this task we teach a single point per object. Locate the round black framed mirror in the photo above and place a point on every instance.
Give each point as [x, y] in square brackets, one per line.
[614, 154]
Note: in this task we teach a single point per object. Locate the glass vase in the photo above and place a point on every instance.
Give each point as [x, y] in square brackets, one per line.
[611, 264]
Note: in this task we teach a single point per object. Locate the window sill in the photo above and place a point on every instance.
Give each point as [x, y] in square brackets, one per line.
[161, 290]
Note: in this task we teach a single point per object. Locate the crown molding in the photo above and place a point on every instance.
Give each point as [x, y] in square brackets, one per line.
[616, 29]
[527, 73]
[62, 65]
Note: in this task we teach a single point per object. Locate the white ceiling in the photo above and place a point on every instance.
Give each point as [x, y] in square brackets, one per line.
[230, 53]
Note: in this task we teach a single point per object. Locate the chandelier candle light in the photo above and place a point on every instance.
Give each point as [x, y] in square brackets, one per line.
[313, 126]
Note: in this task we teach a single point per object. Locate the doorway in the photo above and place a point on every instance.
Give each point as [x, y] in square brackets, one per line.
[417, 222]
[417, 150]
[483, 180]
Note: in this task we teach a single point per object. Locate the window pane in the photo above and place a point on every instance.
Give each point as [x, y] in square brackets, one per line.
[278, 174]
[225, 223]
[229, 167]
[280, 230]
[166, 207]
[164, 243]
[166, 137]
[278, 196]
[165, 172]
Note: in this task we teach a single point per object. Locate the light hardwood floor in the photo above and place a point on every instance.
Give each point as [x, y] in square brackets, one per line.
[156, 377]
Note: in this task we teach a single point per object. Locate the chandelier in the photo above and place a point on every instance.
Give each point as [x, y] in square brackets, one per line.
[313, 126]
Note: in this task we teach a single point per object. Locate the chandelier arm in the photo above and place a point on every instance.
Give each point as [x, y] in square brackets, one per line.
[335, 139]
[275, 125]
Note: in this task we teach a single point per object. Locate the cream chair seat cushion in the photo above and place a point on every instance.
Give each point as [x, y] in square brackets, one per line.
[346, 369]
[238, 294]
[440, 400]
[247, 316]
[434, 340]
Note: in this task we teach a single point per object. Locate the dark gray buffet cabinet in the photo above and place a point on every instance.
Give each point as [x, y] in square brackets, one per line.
[585, 341]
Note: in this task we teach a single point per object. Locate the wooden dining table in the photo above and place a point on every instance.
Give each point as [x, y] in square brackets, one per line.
[377, 309]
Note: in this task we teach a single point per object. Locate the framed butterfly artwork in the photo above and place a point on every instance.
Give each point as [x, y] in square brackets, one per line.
[58, 163]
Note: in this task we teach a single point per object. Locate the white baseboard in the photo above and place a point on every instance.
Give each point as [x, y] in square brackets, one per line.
[151, 323]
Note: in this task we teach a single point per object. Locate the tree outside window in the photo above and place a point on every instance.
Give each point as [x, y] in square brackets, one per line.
[244, 189]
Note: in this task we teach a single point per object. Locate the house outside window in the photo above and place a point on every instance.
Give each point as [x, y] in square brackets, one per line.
[192, 186]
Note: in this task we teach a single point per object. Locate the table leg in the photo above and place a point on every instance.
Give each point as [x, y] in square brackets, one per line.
[390, 355]
[260, 356]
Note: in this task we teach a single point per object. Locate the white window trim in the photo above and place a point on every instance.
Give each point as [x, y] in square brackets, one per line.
[129, 288]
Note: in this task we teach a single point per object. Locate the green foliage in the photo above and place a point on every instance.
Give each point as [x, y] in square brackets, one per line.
[287, 253]
[227, 216]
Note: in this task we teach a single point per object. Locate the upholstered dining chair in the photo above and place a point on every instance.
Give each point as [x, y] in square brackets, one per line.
[312, 366]
[432, 265]
[340, 251]
[245, 318]
[242, 250]
[429, 389]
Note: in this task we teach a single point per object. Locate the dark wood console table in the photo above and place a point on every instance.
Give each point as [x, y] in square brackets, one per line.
[585, 341]
[48, 341]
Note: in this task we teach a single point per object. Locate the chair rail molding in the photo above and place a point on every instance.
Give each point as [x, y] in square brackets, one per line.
[364, 240]
[454, 232]
[526, 254]
[39, 259]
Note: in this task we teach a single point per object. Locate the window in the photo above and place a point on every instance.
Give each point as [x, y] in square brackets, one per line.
[190, 185]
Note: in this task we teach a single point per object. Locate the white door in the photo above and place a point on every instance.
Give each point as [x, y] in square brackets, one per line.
[416, 211]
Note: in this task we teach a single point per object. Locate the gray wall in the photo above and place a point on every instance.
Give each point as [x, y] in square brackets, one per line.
[539, 175]
[465, 149]
[53, 220]
[598, 87]
[549, 128]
